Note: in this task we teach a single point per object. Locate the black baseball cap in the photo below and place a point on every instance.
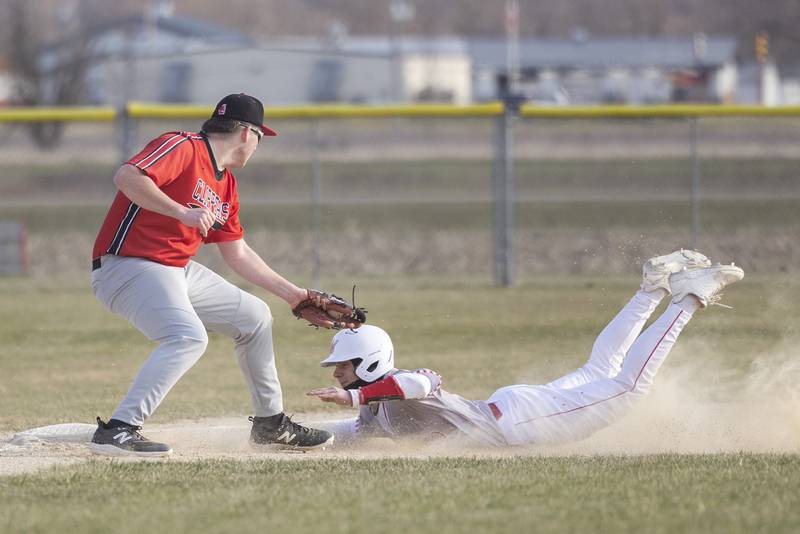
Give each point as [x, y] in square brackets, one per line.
[245, 108]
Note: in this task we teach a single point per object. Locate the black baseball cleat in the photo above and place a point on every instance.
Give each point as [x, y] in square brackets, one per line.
[280, 432]
[125, 440]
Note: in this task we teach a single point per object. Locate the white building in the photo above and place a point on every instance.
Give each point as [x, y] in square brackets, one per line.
[620, 69]
[177, 59]
[167, 58]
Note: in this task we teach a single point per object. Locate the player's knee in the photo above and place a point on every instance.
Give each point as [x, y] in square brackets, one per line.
[188, 341]
[625, 383]
[197, 338]
[253, 314]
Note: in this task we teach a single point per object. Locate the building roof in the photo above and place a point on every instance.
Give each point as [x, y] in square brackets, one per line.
[197, 29]
[607, 52]
[586, 52]
[185, 32]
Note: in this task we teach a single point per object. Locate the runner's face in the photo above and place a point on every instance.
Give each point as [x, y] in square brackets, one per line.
[344, 373]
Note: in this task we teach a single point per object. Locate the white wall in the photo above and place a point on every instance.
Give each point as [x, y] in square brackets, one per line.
[724, 82]
[278, 77]
[6, 88]
[790, 92]
[770, 85]
[442, 73]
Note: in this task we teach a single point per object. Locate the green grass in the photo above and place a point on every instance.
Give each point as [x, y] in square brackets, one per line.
[664, 493]
[67, 359]
[439, 180]
[777, 214]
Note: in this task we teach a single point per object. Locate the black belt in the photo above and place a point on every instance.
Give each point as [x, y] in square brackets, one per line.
[96, 264]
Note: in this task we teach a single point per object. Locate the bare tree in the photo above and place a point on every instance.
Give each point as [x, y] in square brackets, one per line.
[49, 73]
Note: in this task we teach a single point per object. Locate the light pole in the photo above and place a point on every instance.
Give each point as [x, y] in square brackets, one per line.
[400, 11]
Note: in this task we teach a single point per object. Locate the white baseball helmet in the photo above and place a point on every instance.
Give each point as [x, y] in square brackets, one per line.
[367, 343]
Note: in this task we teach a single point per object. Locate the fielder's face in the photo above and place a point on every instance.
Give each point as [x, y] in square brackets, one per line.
[344, 373]
[249, 136]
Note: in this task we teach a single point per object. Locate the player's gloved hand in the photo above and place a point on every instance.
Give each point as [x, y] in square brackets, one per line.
[325, 310]
[200, 218]
[335, 395]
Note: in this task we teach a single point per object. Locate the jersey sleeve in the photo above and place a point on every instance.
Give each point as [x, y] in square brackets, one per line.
[164, 158]
[402, 385]
[231, 229]
[432, 376]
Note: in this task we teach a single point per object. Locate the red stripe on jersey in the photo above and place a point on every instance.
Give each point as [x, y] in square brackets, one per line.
[382, 390]
[161, 151]
[181, 166]
[150, 154]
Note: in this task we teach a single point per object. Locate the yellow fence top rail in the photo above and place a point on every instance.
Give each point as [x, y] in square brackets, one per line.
[144, 110]
[149, 110]
[62, 113]
[658, 110]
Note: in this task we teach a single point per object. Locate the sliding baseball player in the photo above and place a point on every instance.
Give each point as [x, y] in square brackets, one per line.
[623, 363]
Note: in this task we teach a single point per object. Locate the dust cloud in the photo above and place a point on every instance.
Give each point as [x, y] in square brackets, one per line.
[699, 404]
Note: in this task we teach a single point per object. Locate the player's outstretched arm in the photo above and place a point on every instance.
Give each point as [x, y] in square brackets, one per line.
[400, 386]
[250, 266]
[335, 395]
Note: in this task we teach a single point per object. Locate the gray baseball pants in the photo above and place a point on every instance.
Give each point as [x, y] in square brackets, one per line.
[175, 306]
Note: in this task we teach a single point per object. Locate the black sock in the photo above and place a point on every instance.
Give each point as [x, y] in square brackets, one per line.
[114, 423]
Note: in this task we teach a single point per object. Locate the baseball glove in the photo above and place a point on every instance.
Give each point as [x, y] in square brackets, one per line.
[329, 311]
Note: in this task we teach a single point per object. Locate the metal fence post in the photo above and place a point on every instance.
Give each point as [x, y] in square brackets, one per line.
[127, 132]
[504, 192]
[695, 198]
[316, 199]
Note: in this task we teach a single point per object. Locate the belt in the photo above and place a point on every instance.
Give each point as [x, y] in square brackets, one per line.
[96, 264]
[495, 411]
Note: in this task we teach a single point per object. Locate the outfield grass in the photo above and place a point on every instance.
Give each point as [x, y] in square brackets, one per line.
[665, 493]
[65, 358]
[441, 180]
[779, 215]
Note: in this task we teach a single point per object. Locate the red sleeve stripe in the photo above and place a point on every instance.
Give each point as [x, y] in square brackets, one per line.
[382, 390]
[165, 147]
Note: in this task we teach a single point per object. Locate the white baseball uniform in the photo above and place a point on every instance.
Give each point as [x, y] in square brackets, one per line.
[620, 371]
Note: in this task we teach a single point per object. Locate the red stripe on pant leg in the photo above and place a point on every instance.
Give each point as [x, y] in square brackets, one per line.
[655, 348]
[618, 394]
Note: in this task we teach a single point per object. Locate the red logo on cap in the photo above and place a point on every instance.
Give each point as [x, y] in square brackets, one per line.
[221, 110]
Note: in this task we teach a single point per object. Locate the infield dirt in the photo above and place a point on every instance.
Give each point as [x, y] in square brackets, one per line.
[688, 413]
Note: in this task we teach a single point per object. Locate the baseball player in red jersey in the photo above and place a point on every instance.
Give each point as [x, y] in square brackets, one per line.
[175, 195]
[623, 363]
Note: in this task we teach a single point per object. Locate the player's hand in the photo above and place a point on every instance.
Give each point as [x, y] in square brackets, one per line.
[200, 218]
[336, 395]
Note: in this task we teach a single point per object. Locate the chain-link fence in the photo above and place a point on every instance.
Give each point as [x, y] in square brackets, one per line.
[413, 195]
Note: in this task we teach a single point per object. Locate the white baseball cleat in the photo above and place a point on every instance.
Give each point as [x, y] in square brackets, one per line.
[656, 271]
[705, 284]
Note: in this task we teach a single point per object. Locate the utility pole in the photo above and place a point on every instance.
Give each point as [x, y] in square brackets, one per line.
[762, 55]
[400, 11]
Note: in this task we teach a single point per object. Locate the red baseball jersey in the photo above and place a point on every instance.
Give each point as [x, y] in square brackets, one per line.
[182, 165]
